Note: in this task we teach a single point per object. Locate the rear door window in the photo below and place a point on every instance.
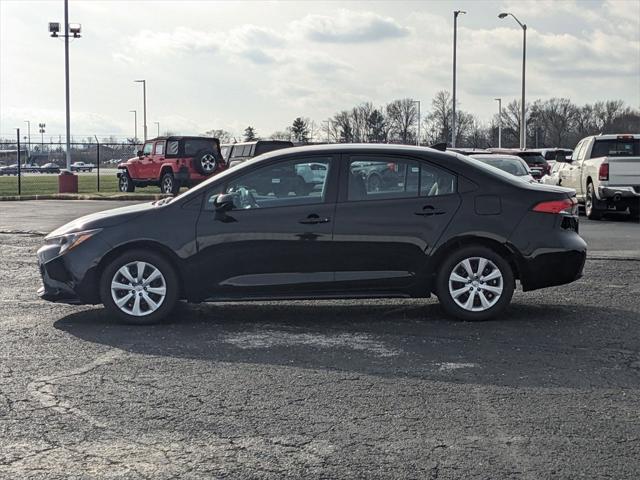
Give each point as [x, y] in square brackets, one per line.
[159, 150]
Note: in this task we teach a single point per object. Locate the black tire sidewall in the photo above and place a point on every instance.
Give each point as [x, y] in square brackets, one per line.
[158, 261]
[594, 214]
[442, 283]
[174, 186]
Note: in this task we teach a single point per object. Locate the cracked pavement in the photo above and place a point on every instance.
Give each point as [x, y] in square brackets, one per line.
[327, 389]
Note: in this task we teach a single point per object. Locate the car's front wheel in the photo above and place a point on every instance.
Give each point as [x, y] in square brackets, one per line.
[125, 183]
[474, 283]
[139, 287]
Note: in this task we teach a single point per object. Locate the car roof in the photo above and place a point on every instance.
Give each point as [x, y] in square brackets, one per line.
[254, 142]
[615, 136]
[490, 156]
[182, 137]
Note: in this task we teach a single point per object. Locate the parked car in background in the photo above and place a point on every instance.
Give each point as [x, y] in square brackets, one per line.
[171, 163]
[516, 166]
[605, 172]
[537, 163]
[553, 178]
[49, 168]
[235, 153]
[30, 167]
[82, 167]
[454, 227]
[9, 169]
[553, 154]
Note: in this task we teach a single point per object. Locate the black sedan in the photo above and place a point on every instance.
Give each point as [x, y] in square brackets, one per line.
[50, 168]
[445, 225]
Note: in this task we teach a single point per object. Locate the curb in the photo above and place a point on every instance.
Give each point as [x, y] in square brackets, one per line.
[63, 196]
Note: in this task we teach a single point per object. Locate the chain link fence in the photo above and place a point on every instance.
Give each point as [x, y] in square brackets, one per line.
[33, 169]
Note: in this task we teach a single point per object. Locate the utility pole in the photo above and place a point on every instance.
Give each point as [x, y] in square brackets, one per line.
[144, 105]
[499, 121]
[455, 47]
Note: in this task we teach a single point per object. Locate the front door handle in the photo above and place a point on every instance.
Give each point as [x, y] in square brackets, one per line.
[314, 219]
[429, 210]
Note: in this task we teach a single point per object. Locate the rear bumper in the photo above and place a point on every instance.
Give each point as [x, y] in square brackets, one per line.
[606, 192]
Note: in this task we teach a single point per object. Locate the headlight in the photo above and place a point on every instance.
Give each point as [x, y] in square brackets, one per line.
[68, 241]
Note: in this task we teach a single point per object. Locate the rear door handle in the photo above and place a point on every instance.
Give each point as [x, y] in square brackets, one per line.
[314, 219]
[429, 210]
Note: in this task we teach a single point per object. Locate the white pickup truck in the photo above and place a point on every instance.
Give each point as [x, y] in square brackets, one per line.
[604, 170]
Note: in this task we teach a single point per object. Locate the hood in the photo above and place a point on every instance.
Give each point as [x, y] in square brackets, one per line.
[106, 218]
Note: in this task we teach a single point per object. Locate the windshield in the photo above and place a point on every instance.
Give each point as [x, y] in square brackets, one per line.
[621, 147]
[512, 166]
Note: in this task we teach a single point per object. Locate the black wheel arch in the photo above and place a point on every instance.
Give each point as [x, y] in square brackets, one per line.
[506, 251]
[147, 245]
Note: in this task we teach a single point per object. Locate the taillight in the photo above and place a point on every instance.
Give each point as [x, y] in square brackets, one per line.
[603, 171]
[567, 205]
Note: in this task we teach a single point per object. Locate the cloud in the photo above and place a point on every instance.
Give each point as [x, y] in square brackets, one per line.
[350, 27]
[180, 40]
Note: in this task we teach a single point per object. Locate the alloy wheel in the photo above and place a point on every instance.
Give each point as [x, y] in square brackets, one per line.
[476, 284]
[167, 184]
[208, 162]
[138, 288]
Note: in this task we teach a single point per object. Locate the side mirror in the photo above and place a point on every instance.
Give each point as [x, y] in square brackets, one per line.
[139, 153]
[224, 202]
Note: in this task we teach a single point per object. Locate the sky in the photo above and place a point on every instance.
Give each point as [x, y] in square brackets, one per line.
[226, 65]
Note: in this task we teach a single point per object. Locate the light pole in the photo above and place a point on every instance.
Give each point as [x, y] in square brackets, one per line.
[158, 125]
[523, 120]
[29, 137]
[499, 100]
[144, 105]
[418, 137]
[455, 47]
[135, 124]
[42, 126]
[74, 29]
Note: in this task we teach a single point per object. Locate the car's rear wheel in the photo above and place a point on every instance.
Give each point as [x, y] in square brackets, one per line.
[474, 283]
[139, 287]
[168, 184]
[125, 183]
[590, 204]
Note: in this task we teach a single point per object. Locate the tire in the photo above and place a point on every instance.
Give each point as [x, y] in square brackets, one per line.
[148, 307]
[590, 202]
[496, 299]
[125, 183]
[168, 184]
[205, 162]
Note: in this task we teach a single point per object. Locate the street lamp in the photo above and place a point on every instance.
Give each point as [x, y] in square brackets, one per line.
[523, 125]
[42, 126]
[29, 137]
[455, 47]
[70, 31]
[499, 100]
[135, 124]
[144, 105]
[158, 125]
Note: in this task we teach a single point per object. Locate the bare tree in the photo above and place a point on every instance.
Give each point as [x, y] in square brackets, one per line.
[402, 116]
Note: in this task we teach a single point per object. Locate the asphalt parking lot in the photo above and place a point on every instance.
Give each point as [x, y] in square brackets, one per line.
[326, 389]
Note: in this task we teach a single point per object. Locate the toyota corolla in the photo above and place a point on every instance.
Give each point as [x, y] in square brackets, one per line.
[439, 224]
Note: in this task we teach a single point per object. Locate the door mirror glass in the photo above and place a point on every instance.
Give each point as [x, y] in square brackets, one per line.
[139, 153]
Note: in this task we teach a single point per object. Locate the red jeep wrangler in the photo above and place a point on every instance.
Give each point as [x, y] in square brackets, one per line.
[171, 163]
